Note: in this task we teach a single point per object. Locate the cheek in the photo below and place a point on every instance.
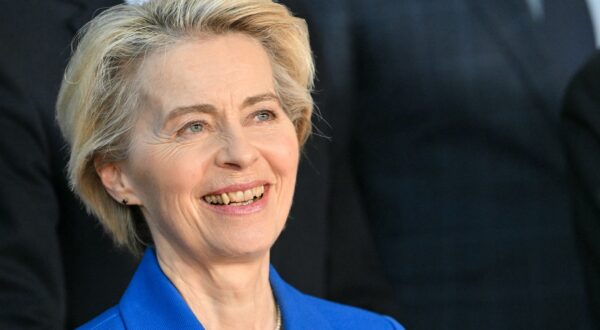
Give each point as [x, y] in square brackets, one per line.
[289, 156]
[284, 153]
[162, 173]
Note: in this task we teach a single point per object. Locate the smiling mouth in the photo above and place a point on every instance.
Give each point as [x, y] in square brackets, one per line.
[236, 198]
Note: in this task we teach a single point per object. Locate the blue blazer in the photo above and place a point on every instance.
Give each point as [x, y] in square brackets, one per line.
[152, 302]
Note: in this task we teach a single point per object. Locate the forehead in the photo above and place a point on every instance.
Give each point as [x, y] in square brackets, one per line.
[213, 69]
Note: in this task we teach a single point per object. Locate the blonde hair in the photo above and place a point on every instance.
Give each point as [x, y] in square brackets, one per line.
[100, 95]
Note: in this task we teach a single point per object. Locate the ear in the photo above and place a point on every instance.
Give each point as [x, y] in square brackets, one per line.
[116, 182]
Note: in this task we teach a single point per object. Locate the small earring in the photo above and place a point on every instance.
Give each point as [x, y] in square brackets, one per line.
[125, 201]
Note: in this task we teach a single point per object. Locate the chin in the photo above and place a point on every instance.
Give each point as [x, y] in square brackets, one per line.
[247, 244]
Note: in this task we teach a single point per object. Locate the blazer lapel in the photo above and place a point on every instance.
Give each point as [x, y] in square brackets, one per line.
[151, 301]
[509, 24]
[296, 311]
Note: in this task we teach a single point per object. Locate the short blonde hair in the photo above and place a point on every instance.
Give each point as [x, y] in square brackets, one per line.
[100, 96]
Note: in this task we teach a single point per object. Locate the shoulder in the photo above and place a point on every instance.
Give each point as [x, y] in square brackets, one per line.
[110, 319]
[347, 317]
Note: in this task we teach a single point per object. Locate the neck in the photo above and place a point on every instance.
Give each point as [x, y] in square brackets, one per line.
[224, 295]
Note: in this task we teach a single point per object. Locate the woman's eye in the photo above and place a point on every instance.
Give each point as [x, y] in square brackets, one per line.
[196, 127]
[192, 128]
[264, 115]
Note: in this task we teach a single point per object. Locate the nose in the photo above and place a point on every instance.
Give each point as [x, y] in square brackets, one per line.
[237, 151]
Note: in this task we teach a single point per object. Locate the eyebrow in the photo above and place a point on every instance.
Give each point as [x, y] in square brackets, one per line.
[210, 109]
[252, 100]
[197, 108]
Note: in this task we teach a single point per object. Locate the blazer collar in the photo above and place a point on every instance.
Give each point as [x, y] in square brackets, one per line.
[510, 25]
[297, 312]
[508, 22]
[152, 302]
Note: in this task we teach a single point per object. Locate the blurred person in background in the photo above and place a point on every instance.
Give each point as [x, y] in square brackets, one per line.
[455, 144]
[53, 256]
[581, 125]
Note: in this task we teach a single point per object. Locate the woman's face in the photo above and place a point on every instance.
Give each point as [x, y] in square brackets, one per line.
[214, 157]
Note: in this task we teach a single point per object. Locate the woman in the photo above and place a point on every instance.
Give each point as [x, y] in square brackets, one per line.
[185, 119]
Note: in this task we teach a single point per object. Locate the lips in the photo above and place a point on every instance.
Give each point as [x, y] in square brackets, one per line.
[237, 197]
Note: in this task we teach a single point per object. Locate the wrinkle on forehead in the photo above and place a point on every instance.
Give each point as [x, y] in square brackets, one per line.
[161, 71]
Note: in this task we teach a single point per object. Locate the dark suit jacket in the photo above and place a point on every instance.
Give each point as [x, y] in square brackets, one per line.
[328, 231]
[53, 256]
[57, 268]
[581, 124]
[457, 151]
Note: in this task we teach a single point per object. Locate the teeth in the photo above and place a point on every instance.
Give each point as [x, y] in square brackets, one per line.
[237, 197]
[225, 198]
[248, 195]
